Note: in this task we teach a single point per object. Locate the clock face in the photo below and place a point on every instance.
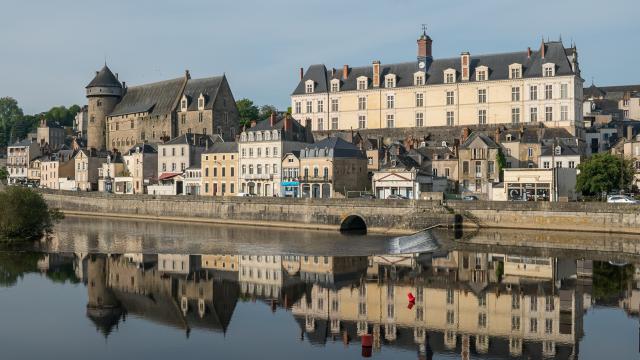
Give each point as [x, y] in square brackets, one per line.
[421, 64]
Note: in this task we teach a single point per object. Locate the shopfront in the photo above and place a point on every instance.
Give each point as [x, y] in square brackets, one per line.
[290, 188]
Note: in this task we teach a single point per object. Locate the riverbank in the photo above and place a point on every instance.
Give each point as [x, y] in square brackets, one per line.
[376, 216]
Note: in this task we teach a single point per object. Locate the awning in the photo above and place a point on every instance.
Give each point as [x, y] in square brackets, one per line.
[165, 176]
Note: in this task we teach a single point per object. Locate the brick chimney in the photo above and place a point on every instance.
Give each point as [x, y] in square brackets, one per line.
[186, 74]
[629, 132]
[376, 73]
[424, 47]
[542, 49]
[272, 119]
[465, 58]
[301, 73]
[465, 134]
[528, 52]
[345, 72]
[496, 135]
[287, 123]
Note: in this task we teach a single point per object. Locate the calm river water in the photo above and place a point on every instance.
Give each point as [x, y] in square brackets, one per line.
[116, 289]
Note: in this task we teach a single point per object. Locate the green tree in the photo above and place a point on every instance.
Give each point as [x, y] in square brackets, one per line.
[501, 161]
[4, 174]
[24, 215]
[266, 110]
[10, 113]
[248, 111]
[604, 172]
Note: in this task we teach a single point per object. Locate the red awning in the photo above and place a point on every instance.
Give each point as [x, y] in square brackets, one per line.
[165, 176]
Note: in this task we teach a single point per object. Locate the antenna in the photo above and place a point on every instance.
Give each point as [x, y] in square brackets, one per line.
[424, 28]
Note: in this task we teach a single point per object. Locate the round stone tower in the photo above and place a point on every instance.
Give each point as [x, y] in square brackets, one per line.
[103, 93]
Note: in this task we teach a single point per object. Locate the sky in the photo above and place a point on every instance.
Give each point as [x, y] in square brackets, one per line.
[50, 50]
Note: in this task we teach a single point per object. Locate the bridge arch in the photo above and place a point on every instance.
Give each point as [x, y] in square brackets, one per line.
[353, 224]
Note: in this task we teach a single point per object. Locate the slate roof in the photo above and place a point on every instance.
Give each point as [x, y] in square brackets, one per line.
[498, 65]
[297, 133]
[429, 153]
[104, 78]
[566, 150]
[200, 140]
[144, 148]
[486, 139]
[157, 98]
[223, 147]
[208, 87]
[340, 147]
[24, 142]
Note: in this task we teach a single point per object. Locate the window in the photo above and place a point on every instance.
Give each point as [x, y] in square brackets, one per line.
[362, 103]
[482, 116]
[490, 168]
[564, 91]
[482, 320]
[515, 72]
[362, 122]
[548, 92]
[320, 125]
[450, 296]
[465, 168]
[298, 107]
[132, 124]
[515, 115]
[309, 106]
[390, 81]
[450, 99]
[515, 93]
[533, 92]
[482, 75]
[334, 123]
[515, 301]
[419, 80]
[545, 164]
[564, 113]
[482, 96]
[362, 84]
[335, 86]
[309, 87]
[390, 121]
[450, 118]
[533, 325]
[451, 317]
[548, 303]
[515, 323]
[320, 106]
[450, 78]
[572, 164]
[625, 114]
[548, 69]
[548, 113]
[419, 119]
[419, 99]
[334, 104]
[390, 101]
[548, 326]
[533, 114]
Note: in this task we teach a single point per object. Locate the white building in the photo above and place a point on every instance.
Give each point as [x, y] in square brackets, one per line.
[560, 156]
[19, 155]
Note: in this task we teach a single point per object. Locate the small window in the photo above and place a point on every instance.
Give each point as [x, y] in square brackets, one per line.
[309, 87]
[390, 101]
[419, 99]
[362, 83]
[482, 96]
[548, 69]
[450, 98]
[419, 119]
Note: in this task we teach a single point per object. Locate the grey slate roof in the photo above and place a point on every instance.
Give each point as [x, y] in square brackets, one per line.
[340, 147]
[104, 78]
[498, 65]
[223, 147]
[208, 87]
[566, 150]
[24, 142]
[144, 148]
[156, 98]
[188, 139]
[486, 139]
[297, 133]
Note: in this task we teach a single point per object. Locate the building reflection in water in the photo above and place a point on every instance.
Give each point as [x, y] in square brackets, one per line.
[469, 303]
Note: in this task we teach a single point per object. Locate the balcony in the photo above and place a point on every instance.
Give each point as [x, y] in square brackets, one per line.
[316, 179]
[257, 176]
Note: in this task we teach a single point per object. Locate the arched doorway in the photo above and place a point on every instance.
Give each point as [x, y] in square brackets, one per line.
[353, 224]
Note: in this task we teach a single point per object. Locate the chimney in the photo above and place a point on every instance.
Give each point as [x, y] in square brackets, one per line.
[333, 72]
[272, 119]
[629, 132]
[528, 52]
[376, 73]
[345, 72]
[542, 49]
[186, 74]
[124, 85]
[424, 47]
[116, 76]
[497, 135]
[253, 123]
[287, 123]
[194, 139]
[464, 65]
[97, 72]
[301, 73]
[465, 134]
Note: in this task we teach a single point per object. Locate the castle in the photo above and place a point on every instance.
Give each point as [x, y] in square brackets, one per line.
[121, 116]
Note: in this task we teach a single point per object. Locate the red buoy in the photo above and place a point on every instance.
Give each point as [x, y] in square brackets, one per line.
[367, 340]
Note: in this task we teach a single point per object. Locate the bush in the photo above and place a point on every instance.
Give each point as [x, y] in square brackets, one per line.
[24, 215]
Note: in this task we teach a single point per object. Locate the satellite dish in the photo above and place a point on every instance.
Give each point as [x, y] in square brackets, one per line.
[421, 65]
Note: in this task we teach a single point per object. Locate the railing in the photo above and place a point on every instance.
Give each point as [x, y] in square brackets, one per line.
[311, 179]
[257, 176]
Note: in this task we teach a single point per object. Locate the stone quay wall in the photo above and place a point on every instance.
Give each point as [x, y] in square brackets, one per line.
[380, 216]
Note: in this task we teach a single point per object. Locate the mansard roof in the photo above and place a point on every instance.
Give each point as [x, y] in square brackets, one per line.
[156, 98]
[104, 78]
[340, 147]
[498, 65]
[198, 140]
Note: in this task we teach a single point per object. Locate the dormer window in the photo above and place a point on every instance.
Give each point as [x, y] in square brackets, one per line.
[548, 69]
[449, 76]
[335, 85]
[558, 150]
[362, 83]
[509, 137]
[418, 78]
[201, 102]
[390, 80]
[275, 135]
[482, 73]
[515, 71]
[308, 86]
[184, 103]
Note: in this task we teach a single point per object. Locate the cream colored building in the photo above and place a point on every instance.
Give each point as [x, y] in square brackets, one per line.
[87, 166]
[219, 170]
[555, 184]
[630, 106]
[19, 156]
[141, 162]
[539, 85]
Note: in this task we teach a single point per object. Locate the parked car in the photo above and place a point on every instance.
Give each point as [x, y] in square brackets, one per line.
[469, 198]
[367, 196]
[397, 197]
[621, 199]
[241, 194]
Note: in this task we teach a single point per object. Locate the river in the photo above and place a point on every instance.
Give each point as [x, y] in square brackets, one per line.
[119, 289]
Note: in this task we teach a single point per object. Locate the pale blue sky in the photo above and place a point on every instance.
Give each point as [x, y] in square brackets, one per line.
[49, 50]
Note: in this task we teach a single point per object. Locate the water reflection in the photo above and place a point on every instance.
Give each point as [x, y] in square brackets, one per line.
[470, 303]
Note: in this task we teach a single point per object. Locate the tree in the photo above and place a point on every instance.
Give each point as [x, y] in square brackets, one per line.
[501, 161]
[266, 111]
[248, 111]
[604, 173]
[10, 113]
[4, 174]
[24, 215]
